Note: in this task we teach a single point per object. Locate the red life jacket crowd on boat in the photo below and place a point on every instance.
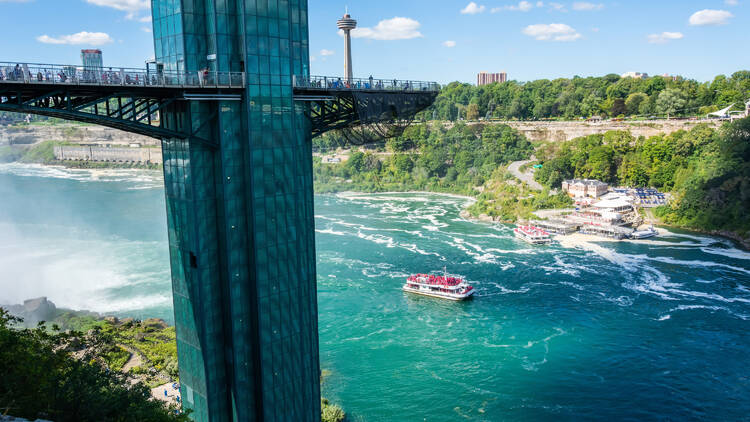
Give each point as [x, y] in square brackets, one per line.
[532, 231]
[435, 280]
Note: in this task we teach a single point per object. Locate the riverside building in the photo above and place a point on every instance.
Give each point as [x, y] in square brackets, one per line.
[581, 188]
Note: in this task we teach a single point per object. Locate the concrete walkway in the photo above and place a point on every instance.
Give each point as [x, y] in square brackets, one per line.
[134, 360]
[169, 398]
[528, 177]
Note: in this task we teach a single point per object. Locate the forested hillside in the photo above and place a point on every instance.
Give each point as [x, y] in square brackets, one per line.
[608, 95]
[428, 157]
[707, 170]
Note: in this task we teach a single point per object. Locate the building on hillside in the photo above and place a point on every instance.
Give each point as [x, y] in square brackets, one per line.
[484, 78]
[581, 188]
[92, 59]
[635, 75]
[668, 76]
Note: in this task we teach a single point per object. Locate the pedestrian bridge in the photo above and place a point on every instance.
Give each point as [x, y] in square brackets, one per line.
[130, 99]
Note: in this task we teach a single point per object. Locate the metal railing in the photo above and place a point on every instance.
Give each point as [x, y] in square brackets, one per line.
[54, 74]
[370, 84]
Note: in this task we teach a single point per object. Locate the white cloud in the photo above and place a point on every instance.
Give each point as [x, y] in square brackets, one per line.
[145, 19]
[146, 29]
[449, 44]
[472, 9]
[552, 32]
[732, 2]
[88, 38]
[665, 37]
[586, 6]
[132, 7]
[325, 52]
[390, 29]
[558, 7]
[710, 17]
[523, 6]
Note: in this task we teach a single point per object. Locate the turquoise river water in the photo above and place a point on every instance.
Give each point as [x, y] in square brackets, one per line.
[584, 330]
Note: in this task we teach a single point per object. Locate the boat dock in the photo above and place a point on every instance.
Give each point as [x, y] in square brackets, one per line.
[555, 226]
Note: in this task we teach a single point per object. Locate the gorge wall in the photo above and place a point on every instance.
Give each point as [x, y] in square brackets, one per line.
[88, 134]
[553, 131]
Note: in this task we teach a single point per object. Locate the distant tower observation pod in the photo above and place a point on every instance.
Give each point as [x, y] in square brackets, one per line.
[346, 24]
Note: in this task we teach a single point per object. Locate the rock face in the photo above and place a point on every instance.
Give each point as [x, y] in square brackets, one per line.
[558, 131]
[94, 135]
[34, 310]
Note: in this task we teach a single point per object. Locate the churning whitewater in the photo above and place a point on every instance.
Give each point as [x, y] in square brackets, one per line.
[623, 330]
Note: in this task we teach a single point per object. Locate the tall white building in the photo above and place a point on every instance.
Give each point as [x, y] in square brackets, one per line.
[636, 75]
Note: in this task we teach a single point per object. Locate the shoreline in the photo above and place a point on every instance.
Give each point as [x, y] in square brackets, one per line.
[743, 243]
[356, 193]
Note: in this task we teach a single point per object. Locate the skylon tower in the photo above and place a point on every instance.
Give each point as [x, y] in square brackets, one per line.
[347, 24]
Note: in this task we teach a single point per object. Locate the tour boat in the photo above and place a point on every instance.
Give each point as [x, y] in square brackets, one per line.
[643, 234]
[442, 286]
[533, 235]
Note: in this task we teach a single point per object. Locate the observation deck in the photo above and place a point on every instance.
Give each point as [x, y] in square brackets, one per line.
[129, 99]
[364, 110]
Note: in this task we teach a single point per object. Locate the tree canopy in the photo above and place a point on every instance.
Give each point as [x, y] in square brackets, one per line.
[608, 95]
[42, 379]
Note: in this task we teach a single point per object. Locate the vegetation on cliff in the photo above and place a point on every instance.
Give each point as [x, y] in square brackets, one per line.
[427, 157]
[463, 159]
[608, 95]
[148, 347]
[707, 170]
[61, 376]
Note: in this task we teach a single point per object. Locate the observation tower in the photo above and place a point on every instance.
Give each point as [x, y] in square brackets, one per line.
[237, 111]
[346, 24]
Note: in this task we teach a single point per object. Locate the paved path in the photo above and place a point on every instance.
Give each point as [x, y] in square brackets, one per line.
[135, 360]
[171, 393]
[527, 177]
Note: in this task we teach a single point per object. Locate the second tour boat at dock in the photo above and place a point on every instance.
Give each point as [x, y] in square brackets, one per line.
[445, 286]
[533, 235]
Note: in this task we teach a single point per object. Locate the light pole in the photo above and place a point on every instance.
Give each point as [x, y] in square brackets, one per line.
[346, 24]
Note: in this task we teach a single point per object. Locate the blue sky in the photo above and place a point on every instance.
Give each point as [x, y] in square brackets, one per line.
[441, 40]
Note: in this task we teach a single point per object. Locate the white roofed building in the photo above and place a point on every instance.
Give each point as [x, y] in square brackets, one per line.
[581, 188]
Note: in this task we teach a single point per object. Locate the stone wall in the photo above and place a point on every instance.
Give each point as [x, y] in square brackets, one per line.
[112, 154]
[565, 131]
[88, 134]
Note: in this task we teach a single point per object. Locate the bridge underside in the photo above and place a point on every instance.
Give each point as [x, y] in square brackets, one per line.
[131, 109]
[362, 116]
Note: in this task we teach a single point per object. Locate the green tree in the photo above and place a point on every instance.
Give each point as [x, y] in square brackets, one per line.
[41, 379]
[634, 101]
[472, 112]
[670, 101]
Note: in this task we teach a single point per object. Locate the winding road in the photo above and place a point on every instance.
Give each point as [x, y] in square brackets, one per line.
[528, 177]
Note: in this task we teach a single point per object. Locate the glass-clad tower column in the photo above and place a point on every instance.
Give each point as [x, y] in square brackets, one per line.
[240, 213]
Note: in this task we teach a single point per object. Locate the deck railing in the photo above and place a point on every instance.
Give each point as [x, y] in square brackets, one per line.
[369, 84]
[53, 74]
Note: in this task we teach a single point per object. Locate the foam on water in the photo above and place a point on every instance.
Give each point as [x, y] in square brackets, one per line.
[143, 179]
[567, 313]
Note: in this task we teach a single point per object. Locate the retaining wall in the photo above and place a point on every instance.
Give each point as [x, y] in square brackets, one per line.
[122, 155]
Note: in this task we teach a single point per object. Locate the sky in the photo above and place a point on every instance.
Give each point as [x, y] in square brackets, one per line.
[435, 40]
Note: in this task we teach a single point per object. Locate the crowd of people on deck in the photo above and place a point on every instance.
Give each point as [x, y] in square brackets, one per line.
[358, 84]
[435, 279]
